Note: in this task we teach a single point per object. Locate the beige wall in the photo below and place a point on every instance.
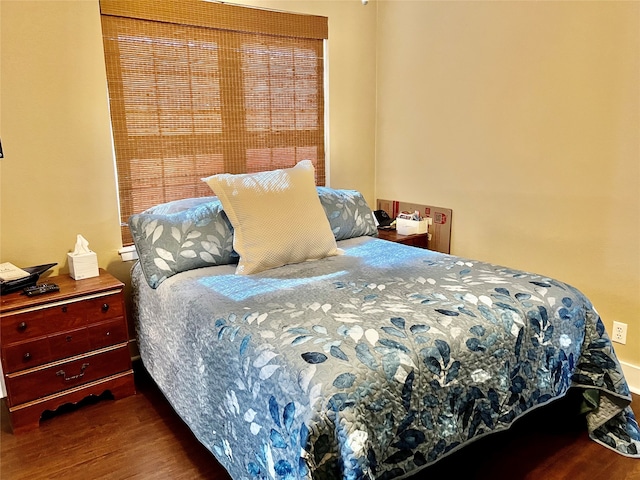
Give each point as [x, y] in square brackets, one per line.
[523, 117]
[57, 178]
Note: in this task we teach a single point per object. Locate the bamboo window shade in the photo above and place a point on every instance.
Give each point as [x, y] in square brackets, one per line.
[198, 88]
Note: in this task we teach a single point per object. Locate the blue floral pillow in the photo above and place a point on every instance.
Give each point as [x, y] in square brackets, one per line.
[200, 236]
[348, 213]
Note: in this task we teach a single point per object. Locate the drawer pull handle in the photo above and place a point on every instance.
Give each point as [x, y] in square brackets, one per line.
[64, 309]
[27, 357]
[68, 339]
[22, 326]
[61, 373]
[105, 307]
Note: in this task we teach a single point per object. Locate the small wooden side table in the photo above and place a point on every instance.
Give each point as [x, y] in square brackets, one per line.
[61, 347]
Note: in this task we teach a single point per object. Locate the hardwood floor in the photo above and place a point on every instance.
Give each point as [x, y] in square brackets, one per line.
[141, 437]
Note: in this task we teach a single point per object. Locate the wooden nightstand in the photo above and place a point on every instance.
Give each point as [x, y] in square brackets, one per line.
[61, 347]
[417, 240]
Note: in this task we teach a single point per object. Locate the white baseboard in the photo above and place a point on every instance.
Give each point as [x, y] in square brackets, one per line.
[632, 374]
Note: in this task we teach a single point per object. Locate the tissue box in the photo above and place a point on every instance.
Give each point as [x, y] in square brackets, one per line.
[84, 265]
[410, 227]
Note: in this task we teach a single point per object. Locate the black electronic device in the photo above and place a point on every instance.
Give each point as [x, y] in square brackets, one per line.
[383, 218]
[21, 283]
[34, 290]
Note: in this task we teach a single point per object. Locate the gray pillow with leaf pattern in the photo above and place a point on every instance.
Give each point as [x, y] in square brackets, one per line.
[201, 236]
[348, 213]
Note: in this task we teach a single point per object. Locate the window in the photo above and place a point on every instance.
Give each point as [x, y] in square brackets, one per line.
[198, 88]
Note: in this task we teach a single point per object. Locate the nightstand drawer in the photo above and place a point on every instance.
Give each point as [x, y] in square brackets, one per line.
[22, 326]
[104, 308]
[68, 315]
[36, 383]
[26, 355]
[65, 316]
[69, 343]
[416, 240]
[32, 353]
[108, 333]
[36, 323]
[90, 311]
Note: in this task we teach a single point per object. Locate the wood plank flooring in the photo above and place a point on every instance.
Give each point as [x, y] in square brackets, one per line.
[141, 437]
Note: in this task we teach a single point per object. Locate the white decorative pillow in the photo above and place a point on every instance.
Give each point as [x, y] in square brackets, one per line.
[276, 215]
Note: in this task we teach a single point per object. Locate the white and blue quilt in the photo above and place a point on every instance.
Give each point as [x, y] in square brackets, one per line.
[373, 364]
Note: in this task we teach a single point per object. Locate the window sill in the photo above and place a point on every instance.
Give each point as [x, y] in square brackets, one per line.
[128, 253]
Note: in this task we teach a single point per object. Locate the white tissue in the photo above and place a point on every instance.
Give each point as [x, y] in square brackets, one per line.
[82, 246]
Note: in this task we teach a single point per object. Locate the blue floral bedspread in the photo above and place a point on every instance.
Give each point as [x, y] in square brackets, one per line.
[372, 364]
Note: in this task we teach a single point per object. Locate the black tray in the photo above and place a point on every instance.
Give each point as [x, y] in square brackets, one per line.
[32, 279]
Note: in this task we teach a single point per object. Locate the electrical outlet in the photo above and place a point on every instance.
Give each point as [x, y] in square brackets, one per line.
[619, 334]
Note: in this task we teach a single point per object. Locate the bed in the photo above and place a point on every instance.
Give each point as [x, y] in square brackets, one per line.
[371, 363]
